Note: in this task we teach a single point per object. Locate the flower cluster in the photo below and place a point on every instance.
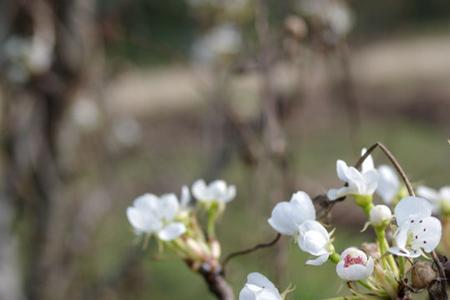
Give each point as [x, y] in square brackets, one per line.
[173, 220]
[405, 228]
[381, 266]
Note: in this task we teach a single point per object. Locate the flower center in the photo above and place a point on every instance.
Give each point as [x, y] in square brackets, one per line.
[349, 261]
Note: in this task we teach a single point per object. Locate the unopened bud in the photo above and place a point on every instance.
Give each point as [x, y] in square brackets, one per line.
[215, 249]
[195, 247]
[422, 274]
[371, 249]
[380, 215]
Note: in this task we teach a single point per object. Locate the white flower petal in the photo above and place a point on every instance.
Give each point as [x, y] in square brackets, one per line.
[230, 194]
[444, 192]
[282, 219]
[218, 187]
[428, 193]
[412, 206]
[367, 163]
[247, 294]
[427, 234]
[355, 270]
[319, 260]
[401, 235]
[200, 191]
[172, 231]
[302, 203]
[313, 238]
[370, 182]
[388, 183]
[355, 181]
[141, 222]
[185, 197]
[258, 287]
[287, 216]
[354, 252]
[261, 281]
[334, 194]
[342, 169]
[404, 252]
[168, 206]
[147, 202]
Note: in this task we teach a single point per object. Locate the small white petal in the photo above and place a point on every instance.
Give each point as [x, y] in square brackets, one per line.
[142, 222]
[404, 252]
[367, 163]
[355, 181]
[445, 192]
[282, 219]
[319, 260]
[334, 194]
[258, 287]
[313, 238]
[247, 294]
[427, 234]
[412, 206]
[168, 206]
[199, 190]
[388, 183]
[304, 206]
[342, 169]
[428, 193]
[355, 270]
[230, 194]
[287, 216]
[148, 202]
[401, 235]
[185, 196]
[370, 182]
[172, 231]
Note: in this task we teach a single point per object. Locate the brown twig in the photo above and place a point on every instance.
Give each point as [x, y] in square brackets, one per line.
[358, 164]
[438, 290]
[249, 250]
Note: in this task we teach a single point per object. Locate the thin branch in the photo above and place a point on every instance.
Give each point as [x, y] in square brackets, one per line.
[394, 162]
[360, 161]
[398, 168]
[250, 250]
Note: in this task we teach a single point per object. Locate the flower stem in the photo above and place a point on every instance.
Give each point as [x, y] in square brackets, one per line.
[387, 259]
[334, 257]
[401, 265]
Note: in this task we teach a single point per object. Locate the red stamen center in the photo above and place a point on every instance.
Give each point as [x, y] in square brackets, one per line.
[348, 261]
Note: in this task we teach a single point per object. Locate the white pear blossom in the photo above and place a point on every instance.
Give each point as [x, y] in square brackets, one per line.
[258, 287]
[151, 214]
[417, 231]
[314, 239]
[380, 215]
[368, 163]
[388, 183]
[288, 216]
[440, 200]
[362, 183]
[185, 198]
[216, 191]
[354, 265]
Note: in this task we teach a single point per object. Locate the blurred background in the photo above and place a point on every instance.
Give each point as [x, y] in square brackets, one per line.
[102, 101]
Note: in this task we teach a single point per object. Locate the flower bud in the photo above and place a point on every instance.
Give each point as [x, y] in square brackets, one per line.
[371, 249]
[422, 274]
[215, 249]
[380, 215]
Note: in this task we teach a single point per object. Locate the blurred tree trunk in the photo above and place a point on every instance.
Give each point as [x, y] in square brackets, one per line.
[55, 42]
